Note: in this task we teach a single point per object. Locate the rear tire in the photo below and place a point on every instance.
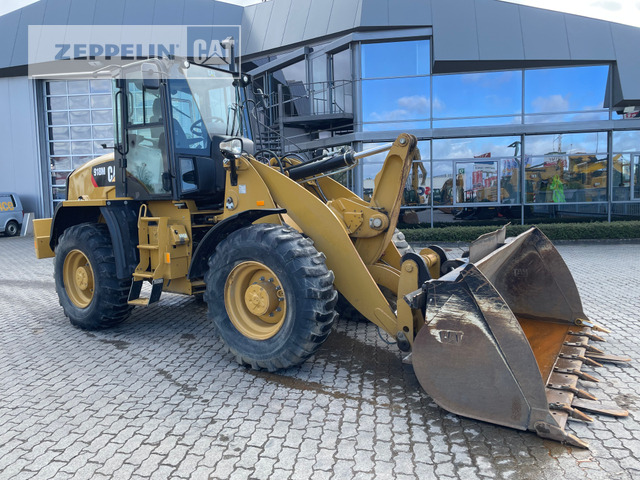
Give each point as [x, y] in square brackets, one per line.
[12, 229]
[270, 296]
[90, 293]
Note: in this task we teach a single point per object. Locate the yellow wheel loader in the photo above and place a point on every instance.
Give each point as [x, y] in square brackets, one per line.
[183, 205]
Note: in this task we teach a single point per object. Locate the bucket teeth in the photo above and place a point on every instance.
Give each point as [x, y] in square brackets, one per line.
[589, 335]
[610, 409]
[605, 358]
[583, 322]
[582, 358]
[574, 371]
[576, 391]
[572, 412]
[553, 432]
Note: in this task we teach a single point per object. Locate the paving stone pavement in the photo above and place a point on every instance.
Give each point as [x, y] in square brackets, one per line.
[157, 397]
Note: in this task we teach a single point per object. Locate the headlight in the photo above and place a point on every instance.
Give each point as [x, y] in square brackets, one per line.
[233, 146]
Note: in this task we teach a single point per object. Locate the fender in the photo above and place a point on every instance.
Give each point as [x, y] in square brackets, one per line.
[206, 247]
[122, 219]
[120, 216]
[65, 217]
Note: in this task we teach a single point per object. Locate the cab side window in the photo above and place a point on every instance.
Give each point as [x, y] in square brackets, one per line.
[146, 158]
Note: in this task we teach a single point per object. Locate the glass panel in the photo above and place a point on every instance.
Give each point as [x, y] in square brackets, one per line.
[61, 163]
[510, 180]
[78, 86]
[395, 59]
[59, 133]
[59, 148]
[442, 183]
[59, 178]
[342, 92]
[101, 116]
[563, 178]
[626, 141]
[57, 103]
[79, 148]
[100, 101]
[103, 131]
[477, 95]
[145, 160]
[59, 193]
[100, 86]
[78, 102]
[553, 90]
[56, 87]
[58, 118]
[188, 129]
[80, 117]
[81, 133]
[476, 147]
[99, 149]
[319, 87]
[78, 161]
[595, 142]
[395, 99]
[479, 181]
[626, 177]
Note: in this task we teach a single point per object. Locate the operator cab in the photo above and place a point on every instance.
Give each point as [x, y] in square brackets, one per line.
[170, 121]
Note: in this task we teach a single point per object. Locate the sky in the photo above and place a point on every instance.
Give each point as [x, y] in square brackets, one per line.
[621, 11]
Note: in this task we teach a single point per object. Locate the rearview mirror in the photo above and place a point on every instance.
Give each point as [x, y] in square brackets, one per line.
[150, 76]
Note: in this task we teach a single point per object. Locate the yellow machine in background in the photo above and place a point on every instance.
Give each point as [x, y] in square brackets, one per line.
[185, 206]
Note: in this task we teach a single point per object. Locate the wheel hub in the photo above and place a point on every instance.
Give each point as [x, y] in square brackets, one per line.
[77, 276]
[82, 278]
[261, 298]
[255, 300]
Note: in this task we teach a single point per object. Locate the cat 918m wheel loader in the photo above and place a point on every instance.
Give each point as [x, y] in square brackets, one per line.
[185, 205]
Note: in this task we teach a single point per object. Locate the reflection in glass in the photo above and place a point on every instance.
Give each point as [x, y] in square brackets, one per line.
[476, 147]
[479, 181]
[78, 86]
[78, 102]
[342, 89]
[626, 177]
[442, 183]
[101, 116]
[593, 142]
[566, 211]
[395, 99]
[628, 141]
[395, 59]
[477, 94]
[552, 90]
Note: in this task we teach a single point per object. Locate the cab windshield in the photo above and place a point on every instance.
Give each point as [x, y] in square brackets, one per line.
[204, 103]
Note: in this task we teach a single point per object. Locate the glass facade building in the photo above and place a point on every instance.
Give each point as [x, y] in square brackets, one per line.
[518, 145]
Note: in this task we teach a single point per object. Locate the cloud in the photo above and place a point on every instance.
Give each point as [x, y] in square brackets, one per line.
[415, 103]
[610, 5]
[552, 103]
[414, 106]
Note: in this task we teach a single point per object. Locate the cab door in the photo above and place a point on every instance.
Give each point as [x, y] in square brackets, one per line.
[141, 150]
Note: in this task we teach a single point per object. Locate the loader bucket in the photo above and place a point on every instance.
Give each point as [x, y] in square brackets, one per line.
[505, 339]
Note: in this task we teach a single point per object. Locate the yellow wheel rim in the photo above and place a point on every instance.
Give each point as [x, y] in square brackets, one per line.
[78, 278]
[255, 300]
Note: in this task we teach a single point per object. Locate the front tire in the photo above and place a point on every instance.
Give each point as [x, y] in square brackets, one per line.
[270, 296]
[90, 293]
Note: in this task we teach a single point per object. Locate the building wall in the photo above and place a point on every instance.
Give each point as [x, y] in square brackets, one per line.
[19, 137]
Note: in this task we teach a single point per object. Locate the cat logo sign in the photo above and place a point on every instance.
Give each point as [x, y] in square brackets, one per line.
[7, 206]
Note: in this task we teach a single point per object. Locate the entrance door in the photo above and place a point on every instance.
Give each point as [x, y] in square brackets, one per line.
[141, 143]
